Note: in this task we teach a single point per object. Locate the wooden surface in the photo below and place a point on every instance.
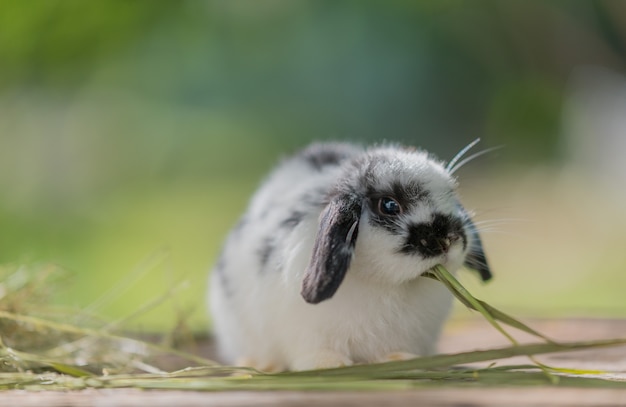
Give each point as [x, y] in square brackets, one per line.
[460, 336]
[440, 397]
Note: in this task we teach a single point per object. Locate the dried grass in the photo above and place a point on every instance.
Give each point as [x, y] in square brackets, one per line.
[40, 350]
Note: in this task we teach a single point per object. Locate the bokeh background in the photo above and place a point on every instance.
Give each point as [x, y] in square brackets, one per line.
[133, 132]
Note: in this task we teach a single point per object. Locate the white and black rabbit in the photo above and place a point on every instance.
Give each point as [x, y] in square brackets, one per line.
[323, 270]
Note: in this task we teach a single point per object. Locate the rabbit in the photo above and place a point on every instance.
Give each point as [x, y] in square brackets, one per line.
[324, 269]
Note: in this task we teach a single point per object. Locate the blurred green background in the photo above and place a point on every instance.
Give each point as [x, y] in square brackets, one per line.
[133, 132]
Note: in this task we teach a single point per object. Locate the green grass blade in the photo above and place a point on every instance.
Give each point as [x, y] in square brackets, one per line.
[486, 310]
[69, 370]
[462, 294]
[448, 360]
[512, 322]
[446, 278]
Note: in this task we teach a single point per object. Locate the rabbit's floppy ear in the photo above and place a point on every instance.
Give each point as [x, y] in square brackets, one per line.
[476, 259]
[333, 248]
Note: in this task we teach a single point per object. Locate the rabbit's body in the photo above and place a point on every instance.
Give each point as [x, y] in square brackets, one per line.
[297, 246]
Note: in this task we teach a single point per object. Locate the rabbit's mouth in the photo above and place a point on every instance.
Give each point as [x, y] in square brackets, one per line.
[450, 261]
[430, 273]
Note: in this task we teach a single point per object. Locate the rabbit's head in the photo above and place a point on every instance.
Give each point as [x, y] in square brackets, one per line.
[396, 211]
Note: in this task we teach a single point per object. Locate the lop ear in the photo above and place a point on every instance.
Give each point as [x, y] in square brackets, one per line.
[333, 249]
[476, 259]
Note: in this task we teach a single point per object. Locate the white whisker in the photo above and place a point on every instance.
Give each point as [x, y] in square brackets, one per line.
[470, 158]
[491, 231]
[460, 154]
[501, 221]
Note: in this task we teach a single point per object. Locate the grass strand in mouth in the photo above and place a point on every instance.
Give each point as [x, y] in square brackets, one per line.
[491, 314]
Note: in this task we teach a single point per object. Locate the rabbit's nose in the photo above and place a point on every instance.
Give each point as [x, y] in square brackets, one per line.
[436, 245]
[431, 239]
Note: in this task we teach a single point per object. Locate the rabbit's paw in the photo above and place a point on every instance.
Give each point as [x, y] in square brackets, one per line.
[398, 356]
[268, 367]
[321, 359]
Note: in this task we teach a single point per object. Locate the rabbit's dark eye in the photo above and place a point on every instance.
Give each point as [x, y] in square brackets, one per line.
[389, 207]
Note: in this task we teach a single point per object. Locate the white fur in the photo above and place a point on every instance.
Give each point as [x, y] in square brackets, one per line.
[381, 308]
